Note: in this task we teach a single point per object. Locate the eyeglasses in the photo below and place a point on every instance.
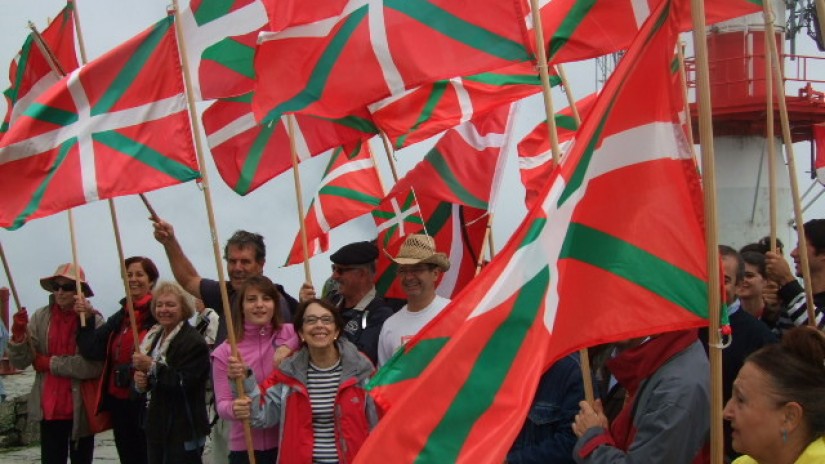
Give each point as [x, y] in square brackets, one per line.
[413, 269]
[69, 287]
[336, 269]
[325, 320]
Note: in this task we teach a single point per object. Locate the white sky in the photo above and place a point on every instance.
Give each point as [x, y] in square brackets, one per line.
[35, 250]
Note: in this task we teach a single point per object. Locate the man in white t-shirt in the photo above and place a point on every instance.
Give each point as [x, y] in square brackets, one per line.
[419, 268]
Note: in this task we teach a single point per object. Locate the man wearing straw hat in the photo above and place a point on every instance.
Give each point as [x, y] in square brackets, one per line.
[419, 268]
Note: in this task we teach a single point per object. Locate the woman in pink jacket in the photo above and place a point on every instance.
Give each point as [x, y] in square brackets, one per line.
[263, 341]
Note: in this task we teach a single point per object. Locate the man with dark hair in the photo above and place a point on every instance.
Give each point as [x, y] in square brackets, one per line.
[791, 295]
[364, 312]
[245, 255]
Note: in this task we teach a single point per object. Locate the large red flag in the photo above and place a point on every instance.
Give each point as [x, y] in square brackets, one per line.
[116, 126]
[613, 250]
[331, 58]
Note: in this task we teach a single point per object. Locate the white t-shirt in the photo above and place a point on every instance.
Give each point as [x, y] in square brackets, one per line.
[403, 325]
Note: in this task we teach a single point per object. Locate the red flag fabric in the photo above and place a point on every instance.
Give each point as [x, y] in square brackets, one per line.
[350, 187]
[535, 156]
[125, 112]
[31, 74]
[248, 154]
[315, 55]
[613, 250]
[819, 160]
[423, 112]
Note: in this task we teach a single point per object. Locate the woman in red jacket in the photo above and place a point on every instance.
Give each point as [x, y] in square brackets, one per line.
[318, 392]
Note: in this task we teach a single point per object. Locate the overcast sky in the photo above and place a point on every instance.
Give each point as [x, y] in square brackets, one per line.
[35, 250]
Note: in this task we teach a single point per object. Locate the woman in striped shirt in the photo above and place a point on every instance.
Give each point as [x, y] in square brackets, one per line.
[318, 392]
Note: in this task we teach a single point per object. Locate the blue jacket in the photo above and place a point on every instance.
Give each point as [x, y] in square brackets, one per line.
[547, 436]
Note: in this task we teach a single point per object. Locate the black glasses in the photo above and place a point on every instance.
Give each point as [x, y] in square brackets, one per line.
[325, 320]
[341, 269]
[69, 287]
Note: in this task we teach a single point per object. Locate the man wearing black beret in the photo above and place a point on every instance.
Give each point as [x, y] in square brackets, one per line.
[353, 270]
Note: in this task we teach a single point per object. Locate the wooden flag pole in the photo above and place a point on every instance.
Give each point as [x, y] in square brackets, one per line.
[375, 166]
[299, 196]
[130, 306]
[584, 354]
[769, 140]
[11, 281]
[711, 238]
[389, 151]
[227, 310]
[78, 286]
[544, 75]
[151, 210]
[786, 136]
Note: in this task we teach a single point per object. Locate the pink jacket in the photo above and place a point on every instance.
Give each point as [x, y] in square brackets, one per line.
[257, 350]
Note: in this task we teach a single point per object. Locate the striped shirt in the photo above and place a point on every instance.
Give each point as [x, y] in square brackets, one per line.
[322, 385]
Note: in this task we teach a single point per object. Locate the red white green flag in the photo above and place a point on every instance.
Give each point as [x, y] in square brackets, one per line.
[464, 165]
[350, 187]
[581, 29]
[458, 231]
[421, 113]
[248, 154]
[123, 113]
[30, 73]
[613, 250]
[316, 55]
[220, 44]
[535, 156]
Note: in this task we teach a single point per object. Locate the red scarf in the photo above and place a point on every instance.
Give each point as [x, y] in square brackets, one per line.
[123, 343]
[57, 390]
[634, 365]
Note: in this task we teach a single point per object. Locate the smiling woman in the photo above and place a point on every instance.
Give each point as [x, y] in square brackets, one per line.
[318, 392]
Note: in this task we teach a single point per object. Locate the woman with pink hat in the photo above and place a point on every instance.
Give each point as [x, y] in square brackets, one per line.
[48, 344]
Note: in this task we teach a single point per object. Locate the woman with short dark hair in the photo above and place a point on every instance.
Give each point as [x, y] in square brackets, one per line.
[777, 411]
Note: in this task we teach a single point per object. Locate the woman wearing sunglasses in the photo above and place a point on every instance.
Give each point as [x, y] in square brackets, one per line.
[48, 343]
[318, 392]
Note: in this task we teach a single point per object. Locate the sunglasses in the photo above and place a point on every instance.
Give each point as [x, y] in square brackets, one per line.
[70, 287]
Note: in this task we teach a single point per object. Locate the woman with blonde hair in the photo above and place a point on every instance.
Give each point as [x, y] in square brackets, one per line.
[777, 411]
[173, 374]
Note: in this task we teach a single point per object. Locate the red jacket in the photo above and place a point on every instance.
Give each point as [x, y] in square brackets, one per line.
[355, 413]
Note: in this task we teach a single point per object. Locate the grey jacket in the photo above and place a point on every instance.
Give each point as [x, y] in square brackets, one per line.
[21, 356]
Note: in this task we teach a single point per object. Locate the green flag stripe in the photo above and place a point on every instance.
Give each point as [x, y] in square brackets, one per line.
[534, 232]
[146, 155]
[318, 78]
[487, 376]
[460, 29]
[253, 158]
[211, 10]
[350, 194]
[332, 160]
[37, 197]
[242, 98]
[408, 365]
[51, 115]
[13, 92]
[568, 26]
[564, 121]
[357, 123]
[232, 55]
[438, 90]
[437, 160]
[132, 68]
[510, 79]
[648, 271]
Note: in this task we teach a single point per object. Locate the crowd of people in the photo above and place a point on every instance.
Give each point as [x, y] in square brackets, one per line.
[161, 373]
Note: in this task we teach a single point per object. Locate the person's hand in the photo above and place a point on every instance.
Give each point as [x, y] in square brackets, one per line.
[777, 269]
[141, 381]
[281, 353]
[20, 322]
[164, 233]
[589, 417]
[42, 363]
[82, 305]
[307, 292]
[142, 362]
[770, 295]
[242, 408]
[235, 368]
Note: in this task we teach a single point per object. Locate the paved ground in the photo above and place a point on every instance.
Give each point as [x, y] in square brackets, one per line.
[104, 443]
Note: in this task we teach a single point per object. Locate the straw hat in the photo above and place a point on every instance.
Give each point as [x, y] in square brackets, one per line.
[67, 271]
[420, 249]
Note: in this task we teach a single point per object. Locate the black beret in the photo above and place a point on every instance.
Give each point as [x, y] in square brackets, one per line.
[355, 253]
